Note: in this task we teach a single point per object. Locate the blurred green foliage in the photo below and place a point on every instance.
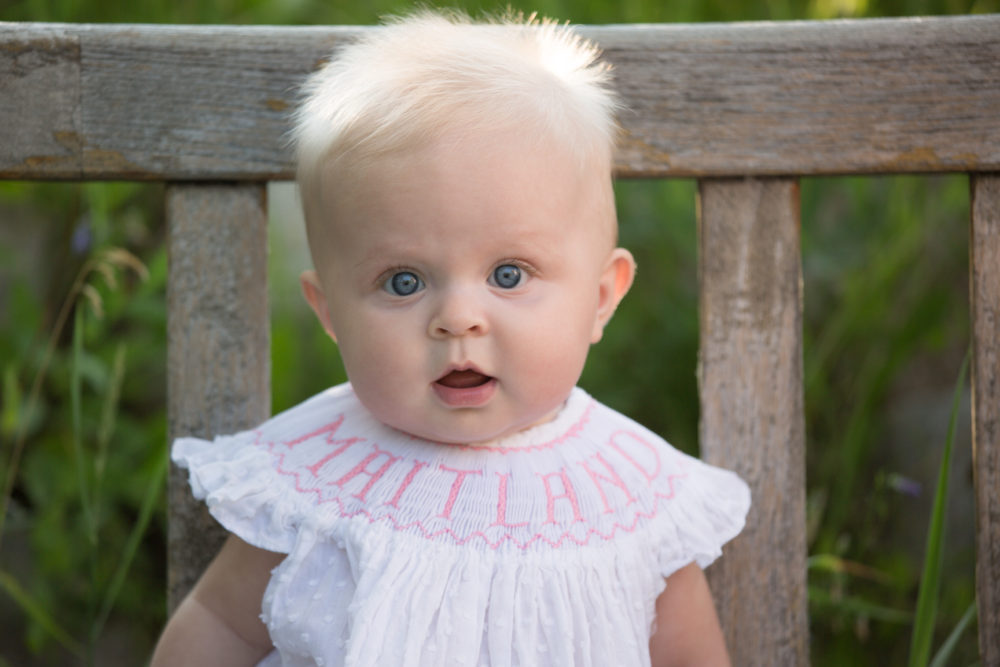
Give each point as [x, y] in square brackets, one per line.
[886, 325]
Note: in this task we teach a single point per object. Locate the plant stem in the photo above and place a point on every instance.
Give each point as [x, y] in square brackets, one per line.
[36, 386]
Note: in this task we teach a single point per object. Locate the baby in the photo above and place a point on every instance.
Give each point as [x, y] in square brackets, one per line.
[459, 502]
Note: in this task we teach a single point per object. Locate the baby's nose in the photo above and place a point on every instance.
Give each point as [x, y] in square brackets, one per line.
[459, 312]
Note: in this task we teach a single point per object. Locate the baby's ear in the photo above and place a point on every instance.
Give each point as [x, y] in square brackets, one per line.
[313, 292]
[616, 279]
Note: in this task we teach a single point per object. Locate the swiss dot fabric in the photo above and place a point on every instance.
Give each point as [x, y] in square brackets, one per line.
[548, 547]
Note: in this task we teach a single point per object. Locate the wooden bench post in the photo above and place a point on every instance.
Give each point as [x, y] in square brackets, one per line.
[218, 345]
[750, 381]
[984, 251]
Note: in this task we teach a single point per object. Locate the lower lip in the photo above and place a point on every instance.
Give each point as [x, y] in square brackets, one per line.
[467, 397]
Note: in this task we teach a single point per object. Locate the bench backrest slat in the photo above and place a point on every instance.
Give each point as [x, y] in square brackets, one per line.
[197, 103]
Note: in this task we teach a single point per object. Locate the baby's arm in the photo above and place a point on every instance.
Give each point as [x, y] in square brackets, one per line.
[218, 623]
[687, 627]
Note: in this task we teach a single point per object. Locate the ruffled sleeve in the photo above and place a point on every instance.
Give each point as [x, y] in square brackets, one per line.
[240, 479]
[235, 479]
[708, 510]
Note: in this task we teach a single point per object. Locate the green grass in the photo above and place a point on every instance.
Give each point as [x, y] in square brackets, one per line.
[930, 580]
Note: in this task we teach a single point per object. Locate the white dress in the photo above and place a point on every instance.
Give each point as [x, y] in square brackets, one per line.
[548, 547]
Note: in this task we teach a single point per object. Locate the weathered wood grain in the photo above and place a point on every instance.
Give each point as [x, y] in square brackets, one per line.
[985, 288]
[39, 102]
[218, 349]
[750, 382]
[169, 102]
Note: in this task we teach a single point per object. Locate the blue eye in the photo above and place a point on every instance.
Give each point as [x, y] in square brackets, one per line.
[403, 283]
[507, 276]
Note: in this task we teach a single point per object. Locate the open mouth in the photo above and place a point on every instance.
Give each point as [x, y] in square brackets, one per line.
[466, 388]
[463, 379]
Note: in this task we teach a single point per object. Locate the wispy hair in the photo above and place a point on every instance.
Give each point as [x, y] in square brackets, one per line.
[407, 82]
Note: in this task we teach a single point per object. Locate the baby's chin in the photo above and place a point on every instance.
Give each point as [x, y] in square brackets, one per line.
[457, 436]
[470, 431]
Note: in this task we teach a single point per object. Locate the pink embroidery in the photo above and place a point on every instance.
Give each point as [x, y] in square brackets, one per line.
[499, 533]
[568, 493]
[502, 505]
[331, 429]
[613, 478]
[362, 468]
[492, 543]
[460, 476]
[635, 436]
[417, 465]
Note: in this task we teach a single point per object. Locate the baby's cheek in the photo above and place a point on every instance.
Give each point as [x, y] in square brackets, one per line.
[374, 350]
[555, 369]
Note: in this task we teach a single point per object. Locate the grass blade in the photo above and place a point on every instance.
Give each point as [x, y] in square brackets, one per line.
[941, 658]
[837, 565]
[930, 580]
[132, 546]
[38, 614]
[107, 425]
[858, 606]
[75, 409]
[33, 394]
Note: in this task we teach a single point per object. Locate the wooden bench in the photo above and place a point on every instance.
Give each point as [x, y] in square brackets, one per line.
[745, 108]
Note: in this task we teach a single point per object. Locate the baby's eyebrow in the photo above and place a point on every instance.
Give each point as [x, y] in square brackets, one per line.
[373, 265]
[386, 252]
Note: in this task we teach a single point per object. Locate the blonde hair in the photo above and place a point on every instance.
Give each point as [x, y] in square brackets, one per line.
[403, 84]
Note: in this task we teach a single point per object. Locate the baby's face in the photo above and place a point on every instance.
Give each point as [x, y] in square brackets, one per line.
[464, 283]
